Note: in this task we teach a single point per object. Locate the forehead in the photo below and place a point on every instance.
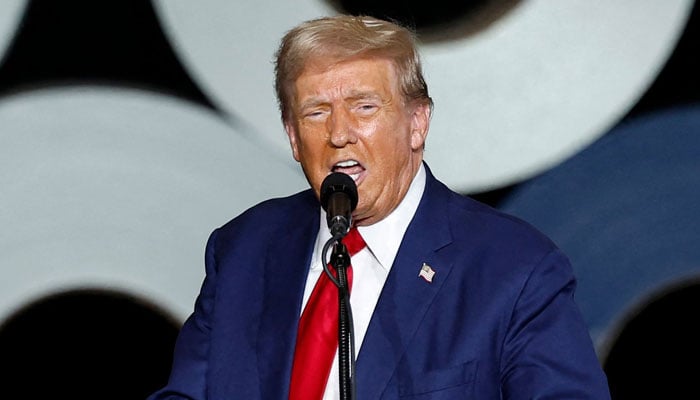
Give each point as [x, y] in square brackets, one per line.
[321, 77]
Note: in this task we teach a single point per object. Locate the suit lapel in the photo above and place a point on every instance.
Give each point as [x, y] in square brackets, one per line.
[286, 269]
[405, 297]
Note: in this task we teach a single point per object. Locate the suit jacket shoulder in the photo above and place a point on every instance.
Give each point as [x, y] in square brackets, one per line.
[496, 319]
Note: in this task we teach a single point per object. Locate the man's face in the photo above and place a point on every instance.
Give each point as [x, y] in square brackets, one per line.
[350, 117]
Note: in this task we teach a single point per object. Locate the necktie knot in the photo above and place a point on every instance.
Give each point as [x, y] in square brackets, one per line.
[353, 241]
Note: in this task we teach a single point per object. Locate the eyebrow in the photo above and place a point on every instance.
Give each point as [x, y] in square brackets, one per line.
[362, 95]
[311, 103]
[353, 95]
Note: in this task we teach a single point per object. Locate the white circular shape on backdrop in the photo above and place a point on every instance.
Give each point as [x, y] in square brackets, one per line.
[11, 12]
[119, 189]
[532, 89]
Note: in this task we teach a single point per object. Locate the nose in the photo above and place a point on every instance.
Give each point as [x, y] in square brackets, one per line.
[341, 128]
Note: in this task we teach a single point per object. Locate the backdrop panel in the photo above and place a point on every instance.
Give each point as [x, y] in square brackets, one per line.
[512, 100]
[119, 189]
[626, 211]
[11, 12]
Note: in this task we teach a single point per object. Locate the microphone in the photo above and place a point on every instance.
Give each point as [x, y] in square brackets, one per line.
[338, 199]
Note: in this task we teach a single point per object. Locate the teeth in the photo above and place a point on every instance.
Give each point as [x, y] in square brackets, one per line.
[347, 167]
[345, 164]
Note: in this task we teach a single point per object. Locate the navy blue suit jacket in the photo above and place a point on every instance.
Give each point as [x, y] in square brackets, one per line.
[498, 320]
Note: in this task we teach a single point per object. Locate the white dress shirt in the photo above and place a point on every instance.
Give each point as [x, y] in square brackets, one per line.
[370, 266]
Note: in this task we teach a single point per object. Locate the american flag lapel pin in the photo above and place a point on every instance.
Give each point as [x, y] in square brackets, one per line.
[427, 273]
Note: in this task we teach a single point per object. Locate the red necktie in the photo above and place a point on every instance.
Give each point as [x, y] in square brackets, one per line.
[317, 338]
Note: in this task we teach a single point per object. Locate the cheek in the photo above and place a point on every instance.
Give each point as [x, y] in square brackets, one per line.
[310, 150]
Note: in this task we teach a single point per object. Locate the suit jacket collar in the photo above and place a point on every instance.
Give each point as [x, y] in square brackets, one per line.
[406, 297]
[285, 268]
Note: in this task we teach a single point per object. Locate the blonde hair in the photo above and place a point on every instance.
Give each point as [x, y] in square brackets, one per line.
[344, 37]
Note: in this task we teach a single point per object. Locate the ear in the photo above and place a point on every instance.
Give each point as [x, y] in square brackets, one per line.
[420, 122]
[293, 138]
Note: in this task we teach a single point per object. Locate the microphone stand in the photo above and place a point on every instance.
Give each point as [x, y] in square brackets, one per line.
[340, 260]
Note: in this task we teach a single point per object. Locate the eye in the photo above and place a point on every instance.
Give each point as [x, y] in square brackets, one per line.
[366, 108]
[314, 114]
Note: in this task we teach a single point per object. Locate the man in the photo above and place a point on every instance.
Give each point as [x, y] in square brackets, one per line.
[451, 299]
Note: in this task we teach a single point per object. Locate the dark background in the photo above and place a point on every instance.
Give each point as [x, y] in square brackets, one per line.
[92, 344]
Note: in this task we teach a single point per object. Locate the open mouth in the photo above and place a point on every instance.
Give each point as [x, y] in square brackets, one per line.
[349, 167]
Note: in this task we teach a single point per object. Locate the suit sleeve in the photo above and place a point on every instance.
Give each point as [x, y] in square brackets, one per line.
[190, 360]
[548, 352]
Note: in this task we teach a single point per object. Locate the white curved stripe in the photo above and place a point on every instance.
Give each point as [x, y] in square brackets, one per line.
[120, 189]
[531, 90]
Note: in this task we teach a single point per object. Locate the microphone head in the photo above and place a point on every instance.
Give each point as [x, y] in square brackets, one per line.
[338, 182]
